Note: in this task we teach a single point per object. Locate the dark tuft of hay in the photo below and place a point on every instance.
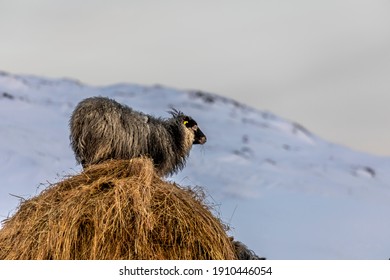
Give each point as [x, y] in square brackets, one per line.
[244, 253]
[115, 210]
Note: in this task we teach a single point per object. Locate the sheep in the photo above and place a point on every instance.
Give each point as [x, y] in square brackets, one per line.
[103, 129]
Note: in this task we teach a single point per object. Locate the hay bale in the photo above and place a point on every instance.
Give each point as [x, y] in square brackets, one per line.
[115, 210]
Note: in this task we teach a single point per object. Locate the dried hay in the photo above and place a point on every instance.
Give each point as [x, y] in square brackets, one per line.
[115, 210]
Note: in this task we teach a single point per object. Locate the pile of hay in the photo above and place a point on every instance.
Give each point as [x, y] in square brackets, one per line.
[115, 210]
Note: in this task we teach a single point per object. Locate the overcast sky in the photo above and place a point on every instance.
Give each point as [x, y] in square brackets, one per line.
[323, 64]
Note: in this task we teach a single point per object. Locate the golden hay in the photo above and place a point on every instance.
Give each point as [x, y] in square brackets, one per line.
[115, 210]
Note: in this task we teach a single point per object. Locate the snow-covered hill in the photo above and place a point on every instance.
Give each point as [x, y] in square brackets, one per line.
[285, 192]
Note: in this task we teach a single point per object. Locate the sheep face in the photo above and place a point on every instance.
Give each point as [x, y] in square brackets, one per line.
[190, 124]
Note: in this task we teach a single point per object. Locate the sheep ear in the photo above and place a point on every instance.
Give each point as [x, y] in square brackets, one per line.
[189, 122]
[186, 121]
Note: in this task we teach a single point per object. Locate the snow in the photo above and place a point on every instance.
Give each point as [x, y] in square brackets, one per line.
[283, 191]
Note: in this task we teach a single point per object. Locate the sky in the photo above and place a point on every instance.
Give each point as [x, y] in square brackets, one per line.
[323, 64]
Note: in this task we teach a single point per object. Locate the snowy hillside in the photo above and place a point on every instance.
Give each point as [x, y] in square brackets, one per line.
[285, 193]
